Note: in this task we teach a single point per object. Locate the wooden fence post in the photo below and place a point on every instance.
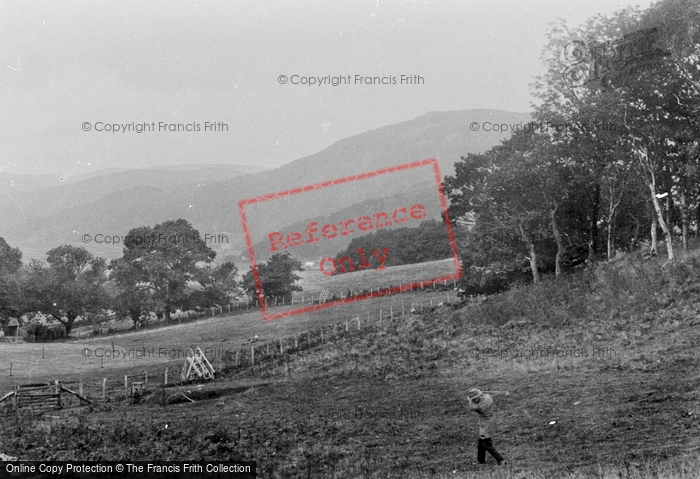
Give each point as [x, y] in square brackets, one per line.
[358, 322]
[104, 388]
[10, 369]
[145, 377]
[165, 377]
[252, 355]
[80, 387]
[296, 343]
[308, 337]
[126, 383]
[281, 347]
[391, 312]
[380, 318]
[346, 324]
[322, 340]
[403, 308]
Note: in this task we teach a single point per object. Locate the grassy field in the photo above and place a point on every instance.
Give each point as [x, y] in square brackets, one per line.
[33, 362]
[603, 368]
[313, 281]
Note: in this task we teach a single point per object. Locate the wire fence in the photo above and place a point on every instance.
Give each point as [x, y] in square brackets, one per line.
[50, 333]
[255, 359]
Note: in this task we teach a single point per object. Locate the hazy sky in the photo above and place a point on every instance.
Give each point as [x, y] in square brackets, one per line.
[66, 63]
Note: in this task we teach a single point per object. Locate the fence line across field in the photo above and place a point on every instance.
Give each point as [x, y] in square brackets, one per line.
[246, 357]
[54, 333]
[414, 306]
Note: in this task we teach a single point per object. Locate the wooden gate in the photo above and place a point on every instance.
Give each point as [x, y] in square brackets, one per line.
[39, 397]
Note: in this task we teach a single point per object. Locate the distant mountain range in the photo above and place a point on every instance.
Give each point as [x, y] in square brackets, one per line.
[39, 212]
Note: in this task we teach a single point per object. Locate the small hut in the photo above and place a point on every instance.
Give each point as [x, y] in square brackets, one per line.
[12, 327]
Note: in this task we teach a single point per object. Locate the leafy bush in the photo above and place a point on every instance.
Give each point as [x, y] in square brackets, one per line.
[36, 332]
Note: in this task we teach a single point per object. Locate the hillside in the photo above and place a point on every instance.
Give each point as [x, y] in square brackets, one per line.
[37, 221]
[47, 195]
[425, 195]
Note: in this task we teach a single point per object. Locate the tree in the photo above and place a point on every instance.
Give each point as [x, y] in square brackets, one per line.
[426, 242]
[69, 286]
[511, 195]
[159, 262]
[656, 110]
[10, 258]
[10, 283]
[217, 286]
[129, 296]
[277, 277]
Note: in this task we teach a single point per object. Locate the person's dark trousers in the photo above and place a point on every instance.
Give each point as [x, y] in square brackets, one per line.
[485, 444]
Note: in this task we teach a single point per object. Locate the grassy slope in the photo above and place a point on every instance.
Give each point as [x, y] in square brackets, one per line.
[630, 408]
[50, 361]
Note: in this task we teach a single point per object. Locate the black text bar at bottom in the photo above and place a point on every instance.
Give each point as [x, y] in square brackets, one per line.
[131, 470]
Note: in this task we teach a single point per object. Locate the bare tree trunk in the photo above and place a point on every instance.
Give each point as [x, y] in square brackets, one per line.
[654, 249]
[561, 249]
[533, 255]
[68, 322]
[593, 231]
[533, 263]
[668, 187]
[685, 217]
[611, 228]
[637, 227]
[662, 222]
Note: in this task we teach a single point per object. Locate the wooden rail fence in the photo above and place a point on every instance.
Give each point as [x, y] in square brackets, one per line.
[41, 396]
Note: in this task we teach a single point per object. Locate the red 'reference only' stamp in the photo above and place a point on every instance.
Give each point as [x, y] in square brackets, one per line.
[322, 233]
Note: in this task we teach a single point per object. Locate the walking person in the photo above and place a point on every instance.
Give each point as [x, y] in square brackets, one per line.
[482, 404]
